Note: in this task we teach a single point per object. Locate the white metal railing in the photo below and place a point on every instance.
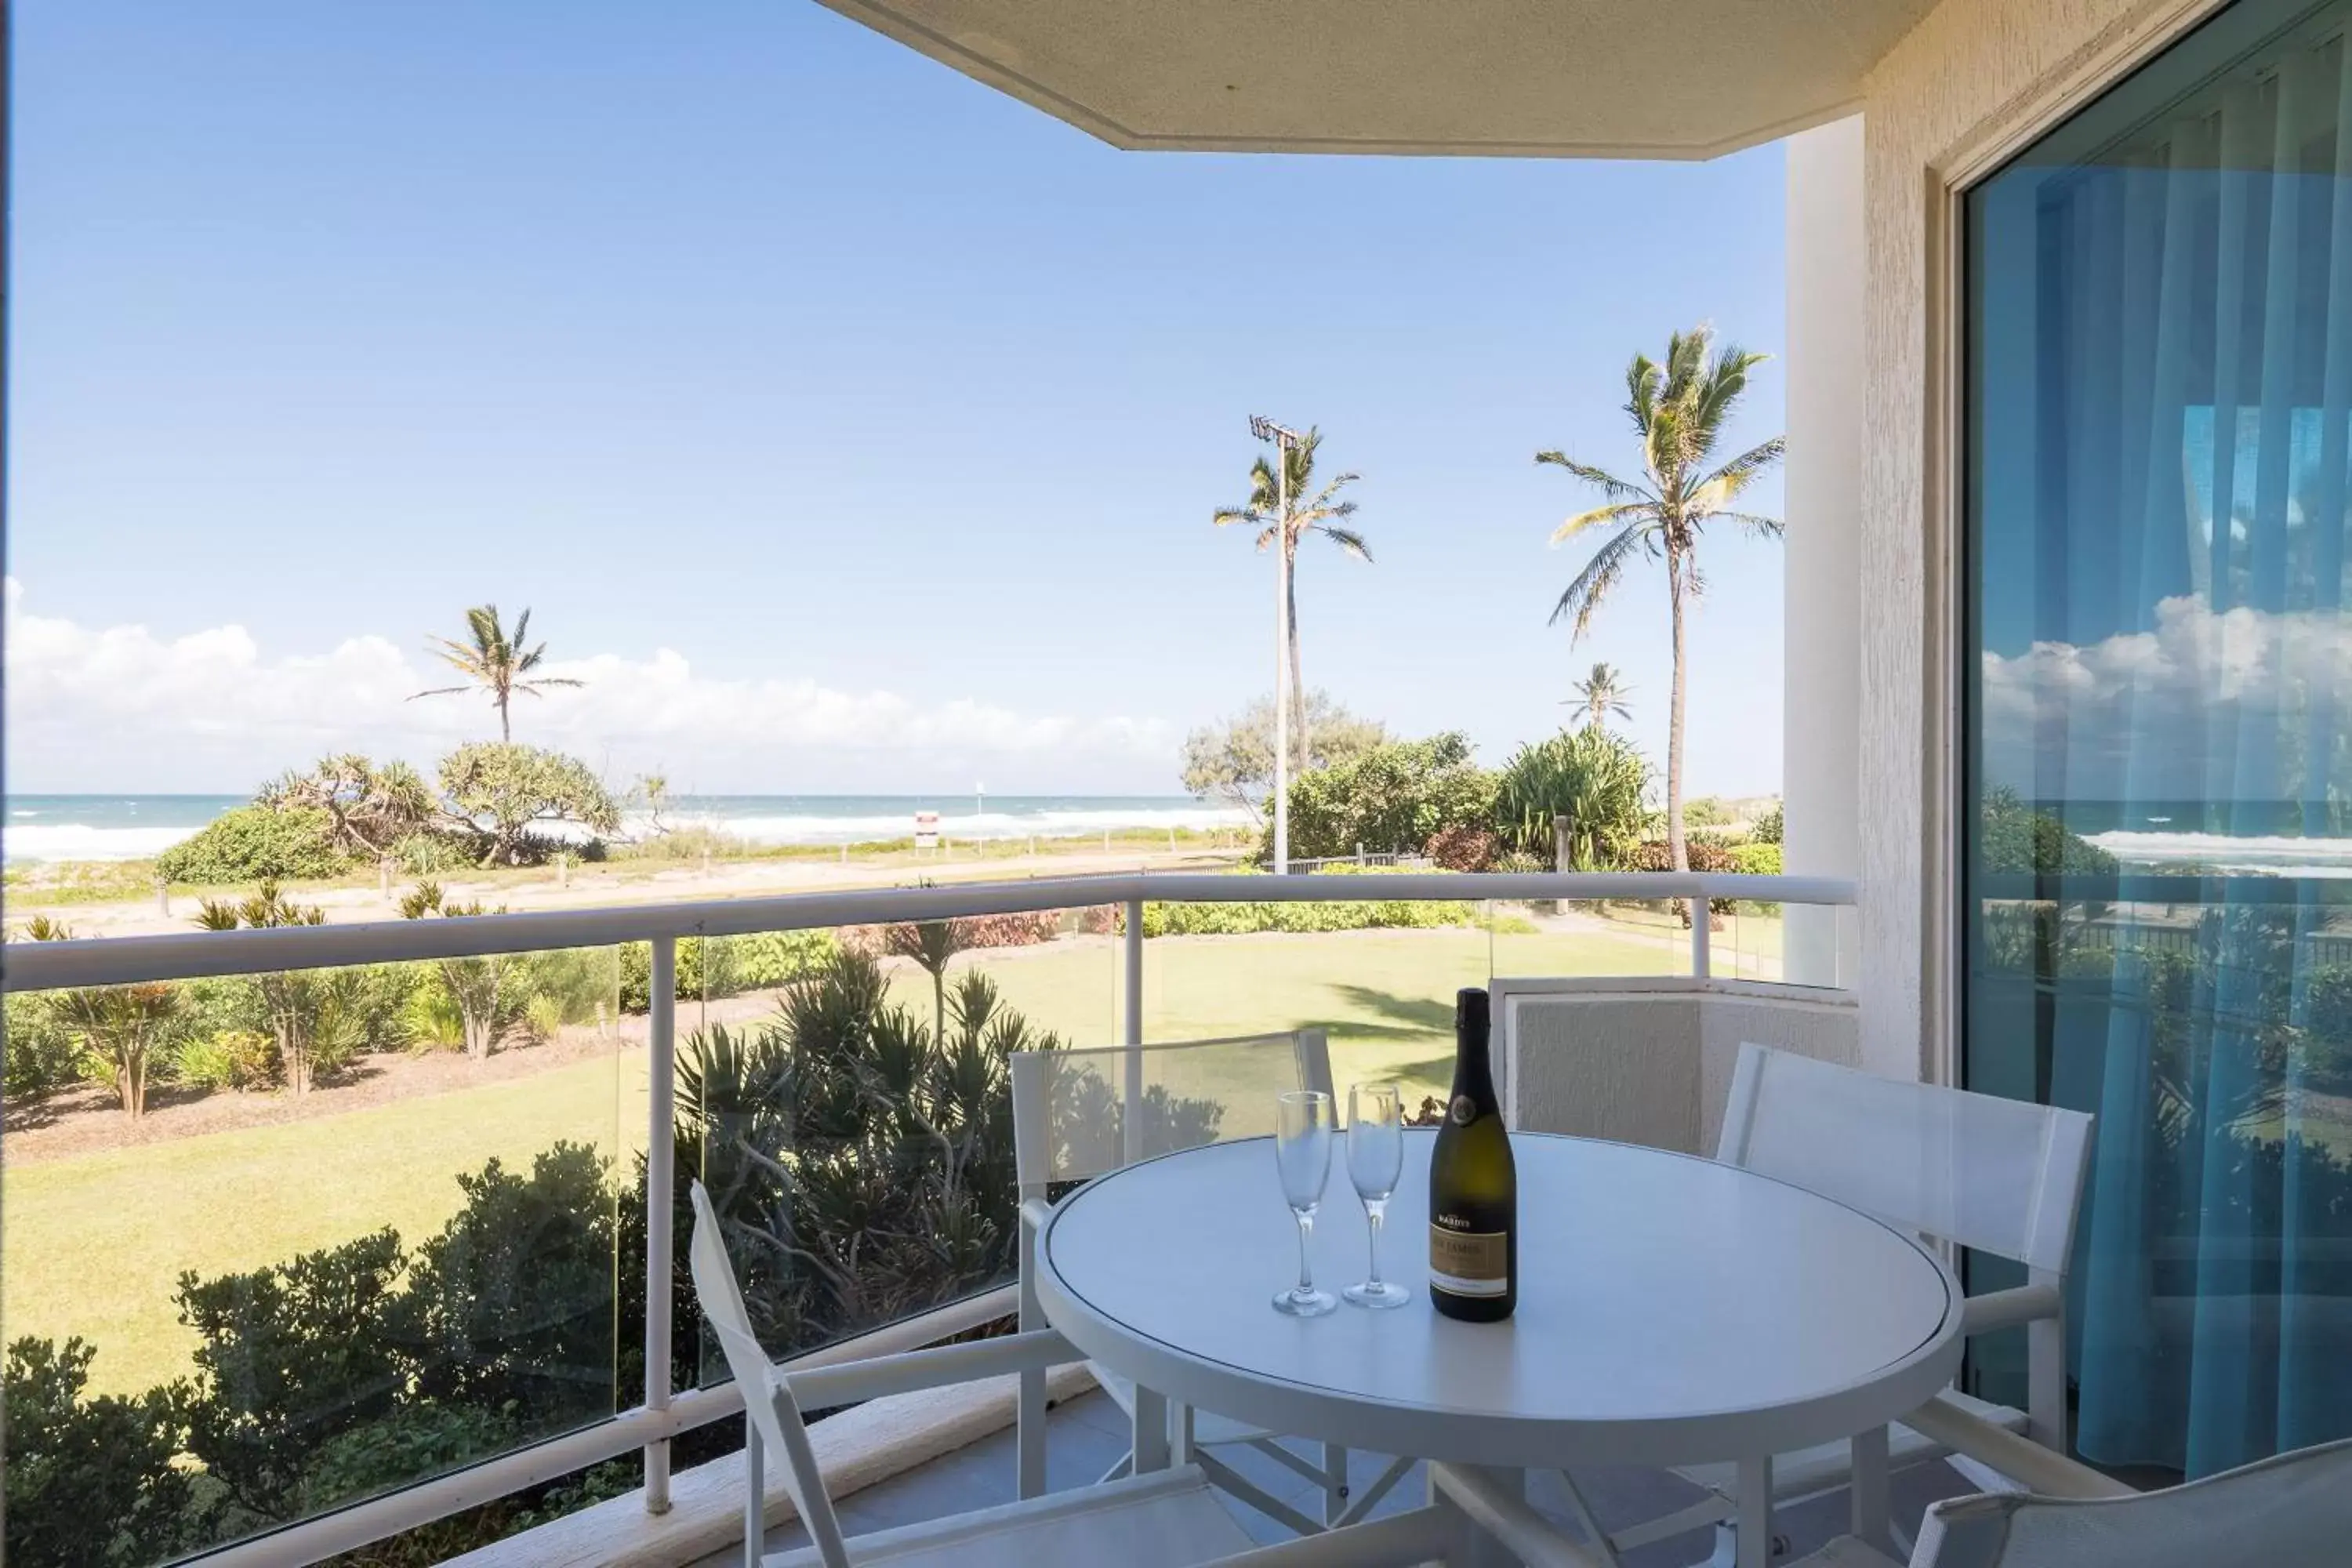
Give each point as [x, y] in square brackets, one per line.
[115, 961]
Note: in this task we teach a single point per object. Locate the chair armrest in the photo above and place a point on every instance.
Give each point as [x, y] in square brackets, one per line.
[1529, 1536]
[2021, 1459]
[854, 1382]
[2008, 1309]
[1034, 1213]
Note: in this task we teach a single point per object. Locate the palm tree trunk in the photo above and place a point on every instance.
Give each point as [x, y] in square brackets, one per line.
[506, 731]
[1675, 845]
[1297, 686]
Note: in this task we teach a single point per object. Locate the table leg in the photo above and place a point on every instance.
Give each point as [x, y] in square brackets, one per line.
[1151, 1431]
[1479, 1549]
[1756, 1512]
[1870, 1491]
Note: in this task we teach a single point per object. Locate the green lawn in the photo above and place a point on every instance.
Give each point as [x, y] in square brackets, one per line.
[95, 1244]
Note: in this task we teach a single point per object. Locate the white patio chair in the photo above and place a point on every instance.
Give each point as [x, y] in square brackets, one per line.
[2295, 1508]
[2002, 1176]
[1167, 1519]
[1077, 1114]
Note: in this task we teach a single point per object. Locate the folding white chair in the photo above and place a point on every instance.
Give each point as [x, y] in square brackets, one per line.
[2294, 1509]
[1166, 1519]
[2002, 1176]
[1077, 1114]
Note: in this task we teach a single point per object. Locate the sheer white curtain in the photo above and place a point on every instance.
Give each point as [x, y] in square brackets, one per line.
[2193, 336]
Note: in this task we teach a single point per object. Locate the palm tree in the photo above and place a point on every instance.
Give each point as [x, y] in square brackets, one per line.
[1679, 410]
[1317, 512]
[1602, 696]
[495, 661]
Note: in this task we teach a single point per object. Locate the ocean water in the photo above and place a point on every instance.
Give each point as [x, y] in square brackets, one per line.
[2258, 838]
[128, 826]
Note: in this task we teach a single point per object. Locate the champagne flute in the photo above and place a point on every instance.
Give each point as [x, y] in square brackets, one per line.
[1302, 1156]
[1375, 1160]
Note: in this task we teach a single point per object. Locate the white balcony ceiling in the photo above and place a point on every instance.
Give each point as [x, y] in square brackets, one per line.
[1631, 78]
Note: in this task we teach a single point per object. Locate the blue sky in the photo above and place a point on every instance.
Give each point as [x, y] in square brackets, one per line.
[860, 426]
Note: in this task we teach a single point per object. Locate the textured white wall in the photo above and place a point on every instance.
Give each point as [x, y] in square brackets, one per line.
[1967, 77]
[1820, 729]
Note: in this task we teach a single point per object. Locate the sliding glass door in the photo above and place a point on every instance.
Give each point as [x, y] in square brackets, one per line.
[2158, 774]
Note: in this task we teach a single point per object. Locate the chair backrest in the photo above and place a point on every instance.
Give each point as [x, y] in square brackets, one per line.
[767, 1398]
[1999, 1175]
[1078, 1113]
[2294, 1509]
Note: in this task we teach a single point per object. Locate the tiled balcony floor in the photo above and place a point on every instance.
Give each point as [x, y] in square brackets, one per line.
[1086, 1436]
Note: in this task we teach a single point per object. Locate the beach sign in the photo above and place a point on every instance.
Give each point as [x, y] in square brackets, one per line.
[927, 830]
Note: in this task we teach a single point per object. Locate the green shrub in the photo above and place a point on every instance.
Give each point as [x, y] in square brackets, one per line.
[431, 1018]
[227, 1058]
[1595, 783]
[292, 1357]
[1241, 920]
[1768, 825]
[542, 1015]
[44, 1055]
[577, 981]
[254, 843]
[1757, 859]
[761, 962]
[431, 854]
[2015, 838]
[91, 1482]
[1395, 796]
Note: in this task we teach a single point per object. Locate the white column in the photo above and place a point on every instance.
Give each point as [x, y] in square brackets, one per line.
[1820, 741]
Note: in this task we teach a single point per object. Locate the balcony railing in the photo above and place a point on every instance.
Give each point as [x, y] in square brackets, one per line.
[664, 1413]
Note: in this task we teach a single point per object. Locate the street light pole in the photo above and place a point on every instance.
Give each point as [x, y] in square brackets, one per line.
[1283, 440]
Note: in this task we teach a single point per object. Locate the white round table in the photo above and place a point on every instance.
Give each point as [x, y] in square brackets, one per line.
[1671, 1311]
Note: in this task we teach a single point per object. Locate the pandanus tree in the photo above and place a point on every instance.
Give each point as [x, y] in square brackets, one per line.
[1311, 511]
[477, 985]
[1679, 410]
[124, 1028]
[495, 660]
[305, 1005]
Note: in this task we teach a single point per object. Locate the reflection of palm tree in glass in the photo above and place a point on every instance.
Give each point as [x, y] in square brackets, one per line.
[1602, 697]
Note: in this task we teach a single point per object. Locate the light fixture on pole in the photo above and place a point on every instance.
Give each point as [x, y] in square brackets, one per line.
[1284, 440]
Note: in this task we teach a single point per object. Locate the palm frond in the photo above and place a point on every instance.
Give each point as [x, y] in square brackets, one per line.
[1592, 586]
[1639, 513]
[1607, 483]
[1349, 540]
[1748, 523]
[441, 691]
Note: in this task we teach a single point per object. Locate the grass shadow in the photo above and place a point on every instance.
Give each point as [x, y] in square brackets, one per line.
[1407, 1016]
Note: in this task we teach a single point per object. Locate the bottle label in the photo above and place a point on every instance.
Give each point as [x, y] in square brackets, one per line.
[1469, 1263]
[1463, 1111]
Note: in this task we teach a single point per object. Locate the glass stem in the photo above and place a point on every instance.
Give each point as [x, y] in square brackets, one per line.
[1306, 1227]
[1375, 1211]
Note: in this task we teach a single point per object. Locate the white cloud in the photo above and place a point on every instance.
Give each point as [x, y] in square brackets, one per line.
[2204, 700]
[125, 708]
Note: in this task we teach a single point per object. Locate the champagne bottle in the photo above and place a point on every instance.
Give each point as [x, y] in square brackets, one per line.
[1474, 1189]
